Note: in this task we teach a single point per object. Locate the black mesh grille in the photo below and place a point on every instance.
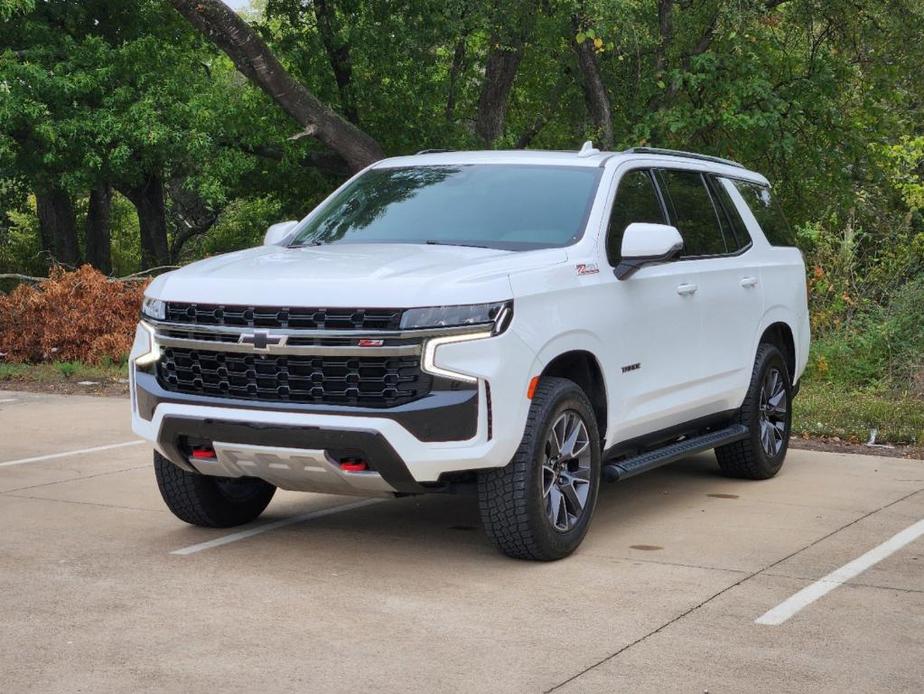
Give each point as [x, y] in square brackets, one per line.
[361, 381]
[285, 317]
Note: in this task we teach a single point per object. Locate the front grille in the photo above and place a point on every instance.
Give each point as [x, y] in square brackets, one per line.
[358, 381]
[285, 317]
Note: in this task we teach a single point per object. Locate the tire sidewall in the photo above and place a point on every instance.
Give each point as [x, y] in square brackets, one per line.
[769, 357]
[570, 397]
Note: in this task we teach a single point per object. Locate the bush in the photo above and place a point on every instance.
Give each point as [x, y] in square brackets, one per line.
[71, 316]
[881, 348]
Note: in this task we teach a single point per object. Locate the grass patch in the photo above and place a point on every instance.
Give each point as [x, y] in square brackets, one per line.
[62, 371]
[825, 409]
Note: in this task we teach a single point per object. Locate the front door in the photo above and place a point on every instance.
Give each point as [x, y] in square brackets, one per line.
[654, 366]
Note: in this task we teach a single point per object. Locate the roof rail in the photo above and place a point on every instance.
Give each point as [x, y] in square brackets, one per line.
[679, 153]
[432, 151]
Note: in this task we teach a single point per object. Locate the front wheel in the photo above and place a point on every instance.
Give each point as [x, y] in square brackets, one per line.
[212, 502]
[767, 413]
[540, 505]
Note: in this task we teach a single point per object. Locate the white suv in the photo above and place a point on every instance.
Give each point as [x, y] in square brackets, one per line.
[521, 324]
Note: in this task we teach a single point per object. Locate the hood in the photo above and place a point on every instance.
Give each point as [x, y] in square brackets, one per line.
[352, 275]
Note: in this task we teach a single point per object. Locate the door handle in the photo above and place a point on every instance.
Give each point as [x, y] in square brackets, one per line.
[748, 282]
[686, 289]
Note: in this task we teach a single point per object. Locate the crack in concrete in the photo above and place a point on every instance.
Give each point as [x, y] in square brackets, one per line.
[72, 479]
[83, 503]
[664, 563]
[712, 597]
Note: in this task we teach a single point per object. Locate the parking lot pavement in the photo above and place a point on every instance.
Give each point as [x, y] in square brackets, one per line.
[407, 595]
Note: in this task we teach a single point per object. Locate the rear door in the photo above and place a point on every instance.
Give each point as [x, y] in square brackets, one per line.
[718, 259]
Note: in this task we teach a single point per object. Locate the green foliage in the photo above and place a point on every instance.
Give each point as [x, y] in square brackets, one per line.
[881, 347]
[20, 250]
[242, 224]
[55, 372]
[67, 368]
[824, 409]
[10, 7]
[126, 255]
[904, 165]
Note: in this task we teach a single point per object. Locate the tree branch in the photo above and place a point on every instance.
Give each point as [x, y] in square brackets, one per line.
[134, 277]
[253, 58]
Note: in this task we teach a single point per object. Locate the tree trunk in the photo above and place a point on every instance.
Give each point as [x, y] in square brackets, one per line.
[258, 63]
[499, 73]
[665, 33]
[455, 71]
[338, 53]
[97, 228]
[148, 199]
[595, 96]
[58, 224]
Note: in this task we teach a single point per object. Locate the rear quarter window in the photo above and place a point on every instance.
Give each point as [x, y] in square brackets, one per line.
[767, 212]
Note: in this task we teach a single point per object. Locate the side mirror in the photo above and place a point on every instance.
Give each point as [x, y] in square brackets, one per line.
[646, 244]
[278, 232]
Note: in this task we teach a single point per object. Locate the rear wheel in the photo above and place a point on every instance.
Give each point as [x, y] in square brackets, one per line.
[212, 502]
[540, 505]
[767, 413]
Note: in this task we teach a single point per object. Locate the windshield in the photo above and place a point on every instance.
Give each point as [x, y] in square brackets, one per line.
[484, 205]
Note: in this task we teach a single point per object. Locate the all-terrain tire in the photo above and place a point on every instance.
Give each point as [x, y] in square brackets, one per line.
[511, 499]
[212, 502]
[748, 458]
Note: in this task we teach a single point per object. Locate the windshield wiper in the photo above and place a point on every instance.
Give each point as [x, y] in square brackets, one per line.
[306, 243]
[454, 243]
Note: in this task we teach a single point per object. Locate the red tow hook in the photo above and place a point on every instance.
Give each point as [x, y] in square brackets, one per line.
[203, 453]
[353, 465]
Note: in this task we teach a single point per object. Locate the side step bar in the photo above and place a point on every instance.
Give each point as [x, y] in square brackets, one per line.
[630, 467]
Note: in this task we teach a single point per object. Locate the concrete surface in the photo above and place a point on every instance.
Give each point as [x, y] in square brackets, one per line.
[407, 595]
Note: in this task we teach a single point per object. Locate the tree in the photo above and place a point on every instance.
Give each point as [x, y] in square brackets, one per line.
[190, 115]
[512, 24]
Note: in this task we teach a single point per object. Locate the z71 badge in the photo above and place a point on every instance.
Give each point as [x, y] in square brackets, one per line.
[587, 269]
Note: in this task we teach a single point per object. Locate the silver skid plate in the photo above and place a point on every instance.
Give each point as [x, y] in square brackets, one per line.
[298, 469]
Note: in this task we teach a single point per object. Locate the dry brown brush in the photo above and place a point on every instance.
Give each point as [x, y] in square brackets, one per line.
[78, 315]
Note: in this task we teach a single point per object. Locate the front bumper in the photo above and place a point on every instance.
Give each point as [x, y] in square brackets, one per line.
[409, 447]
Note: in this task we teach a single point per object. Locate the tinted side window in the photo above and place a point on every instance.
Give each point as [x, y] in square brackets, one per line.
[736, 233]
[695, 213]
[767, 212]
[636, 201]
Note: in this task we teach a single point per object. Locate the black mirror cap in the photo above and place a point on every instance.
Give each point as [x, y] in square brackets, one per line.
[628, 266]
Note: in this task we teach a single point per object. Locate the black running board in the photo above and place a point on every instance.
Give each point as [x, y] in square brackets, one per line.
[671, 453]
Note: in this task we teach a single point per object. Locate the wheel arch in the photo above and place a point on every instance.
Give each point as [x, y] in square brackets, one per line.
[780, 334]
[583, 367]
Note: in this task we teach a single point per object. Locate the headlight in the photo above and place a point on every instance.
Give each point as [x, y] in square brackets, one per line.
[152, 353]
[154, 308]
[457, 316]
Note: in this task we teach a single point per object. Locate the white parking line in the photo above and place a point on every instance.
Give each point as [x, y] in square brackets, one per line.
[250, 532]
[65, 454]
[9, 400]
[823, 586]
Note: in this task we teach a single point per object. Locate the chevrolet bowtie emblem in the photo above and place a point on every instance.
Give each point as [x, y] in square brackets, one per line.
[261, 339]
